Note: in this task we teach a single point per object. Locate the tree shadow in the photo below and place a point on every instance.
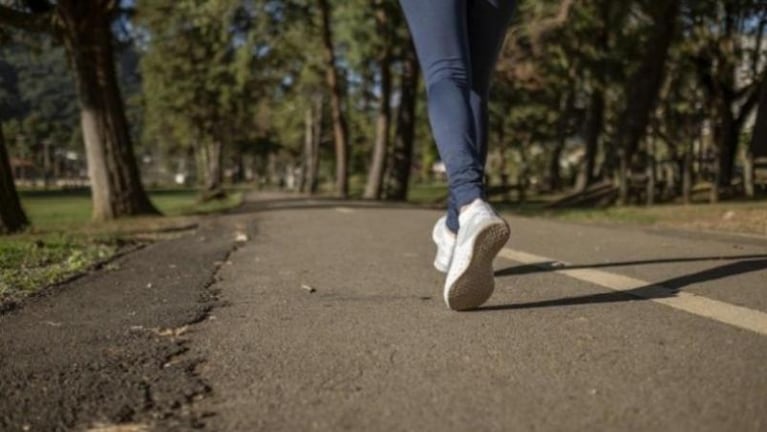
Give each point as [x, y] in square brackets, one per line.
[667, 288]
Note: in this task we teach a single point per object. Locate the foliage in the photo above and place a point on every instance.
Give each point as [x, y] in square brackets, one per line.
[37, 98]
[242, 74]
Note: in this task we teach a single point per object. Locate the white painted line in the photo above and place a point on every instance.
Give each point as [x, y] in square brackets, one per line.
[344, 210]
[727, 313]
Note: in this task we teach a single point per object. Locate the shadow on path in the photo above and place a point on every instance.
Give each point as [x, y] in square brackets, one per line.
[667, 288]
[548, 266]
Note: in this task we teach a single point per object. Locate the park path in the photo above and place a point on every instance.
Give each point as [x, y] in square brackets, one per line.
[681, 344]
[313, 314]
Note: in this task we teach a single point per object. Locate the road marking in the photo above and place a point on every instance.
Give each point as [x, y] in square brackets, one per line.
[727, 313]
[344, 210]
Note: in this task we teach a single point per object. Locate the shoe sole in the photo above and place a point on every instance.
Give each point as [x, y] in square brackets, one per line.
[475, 286]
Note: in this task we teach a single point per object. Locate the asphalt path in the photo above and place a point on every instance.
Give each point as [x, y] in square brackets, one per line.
[309, 314]
[335, 321]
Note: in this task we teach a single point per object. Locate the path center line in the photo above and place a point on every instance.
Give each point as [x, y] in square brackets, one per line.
[727, 313]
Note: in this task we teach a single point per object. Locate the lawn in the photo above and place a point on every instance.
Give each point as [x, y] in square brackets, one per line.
[743, 217]
[427, 193]
[62, 241]
[57, 210]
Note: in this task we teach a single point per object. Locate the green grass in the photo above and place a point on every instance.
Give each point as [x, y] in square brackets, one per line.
[54, 210]
[739, 216]
[747, 217]
[50, 210]
[62, 240]
[26, 265]
[425, 193]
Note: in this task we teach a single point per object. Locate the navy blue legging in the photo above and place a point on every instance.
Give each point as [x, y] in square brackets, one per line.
[457, 42]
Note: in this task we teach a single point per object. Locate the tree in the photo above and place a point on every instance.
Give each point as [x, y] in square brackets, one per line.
[759, 137]
[12, 217]
[374, 186]
[758, 145]
[85, 29]
[312, 136]
[404, 135]
[642, 90]
[193, 93]
[722, 29]
[332, 76]
[605, 21]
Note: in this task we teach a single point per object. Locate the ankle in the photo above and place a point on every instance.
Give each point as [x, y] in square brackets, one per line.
[465, 207]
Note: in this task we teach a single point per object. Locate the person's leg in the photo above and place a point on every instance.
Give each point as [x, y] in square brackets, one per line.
[439, 31]
[487, 21]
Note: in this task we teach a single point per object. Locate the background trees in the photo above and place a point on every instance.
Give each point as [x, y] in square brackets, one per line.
[642, 101]
[199, 91]
[665, 94]
[85, 29]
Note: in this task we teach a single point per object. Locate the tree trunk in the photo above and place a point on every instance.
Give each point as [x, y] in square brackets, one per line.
[566, 107]
[373, 188]
[312, 130]
[758, 147]
[593, 131]
[47, 168]
[239, 163]
[213, 155]
[650, 174]
[642, 92]
[12, 217]
[759, 137]
[554, 176]
[748, 172]
[687, 175]
[727, 141]
[340, 131]
[714, 192]
[314, 166]
[272, 177]
[596, 111]
[402, 153]
[303, 181]
[200, 163]
[114, 176]
[671, 180]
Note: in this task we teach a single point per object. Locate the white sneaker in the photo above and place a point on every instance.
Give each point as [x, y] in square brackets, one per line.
[445, 241]
[482, 234]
